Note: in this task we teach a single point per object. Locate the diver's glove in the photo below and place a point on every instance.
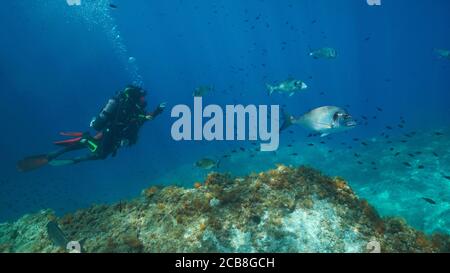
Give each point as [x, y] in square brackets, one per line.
[158, 111]
[161, 107]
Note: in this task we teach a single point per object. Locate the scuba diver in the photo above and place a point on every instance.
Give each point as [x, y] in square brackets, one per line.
[117, 125]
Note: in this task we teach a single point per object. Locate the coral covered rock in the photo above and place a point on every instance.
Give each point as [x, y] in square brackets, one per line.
[283, 210]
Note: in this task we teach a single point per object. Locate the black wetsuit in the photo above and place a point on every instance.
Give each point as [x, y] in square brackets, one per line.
[121, 129]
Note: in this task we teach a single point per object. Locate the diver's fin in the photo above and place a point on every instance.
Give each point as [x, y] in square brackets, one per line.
[68, 142]
[77, 136]
[61, 162]
[73, 134]
[32, 163]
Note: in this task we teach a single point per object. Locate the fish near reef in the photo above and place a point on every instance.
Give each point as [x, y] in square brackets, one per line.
[207, 164]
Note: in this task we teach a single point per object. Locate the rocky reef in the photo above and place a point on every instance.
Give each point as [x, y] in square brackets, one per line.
[283, 210]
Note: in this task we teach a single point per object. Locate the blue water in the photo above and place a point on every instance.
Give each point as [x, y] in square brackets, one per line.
[60, 64]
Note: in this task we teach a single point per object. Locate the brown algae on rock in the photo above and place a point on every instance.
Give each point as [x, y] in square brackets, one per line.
[283, 210]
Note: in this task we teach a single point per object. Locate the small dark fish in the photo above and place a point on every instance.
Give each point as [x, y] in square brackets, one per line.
[294, 154]
[374, 168]
[403, 141]
[310, 144]
[242, 149]
[350, 147]
[364, 117]
[356, 139]
[234, 151]
[56, 235]
[435, 154]
[407, 164]
[446, 177]
[379, 109]
[418, 153]
[226, 156]
[365, 144]
[389, 142]
[373, 163]
[397, 154]
[357, 155]
[330, 151]
[391, 149]
[438, 134]
[411, 155]
[254, 143]
[289, 145]
[389, 127]
[113, 6]
[374, 117]
[429, 200]
[401, 126]
[421, 167]
[360, 163]
[322, 142]
[291, 132]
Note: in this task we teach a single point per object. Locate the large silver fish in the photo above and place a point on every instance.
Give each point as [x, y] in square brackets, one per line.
[324, 53]
[324, 120]
[289, 86]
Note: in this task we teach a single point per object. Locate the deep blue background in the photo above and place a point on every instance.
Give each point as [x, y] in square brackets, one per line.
[57, 69]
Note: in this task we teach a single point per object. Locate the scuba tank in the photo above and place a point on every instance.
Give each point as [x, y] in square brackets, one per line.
[130, 94]
[99, 122]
